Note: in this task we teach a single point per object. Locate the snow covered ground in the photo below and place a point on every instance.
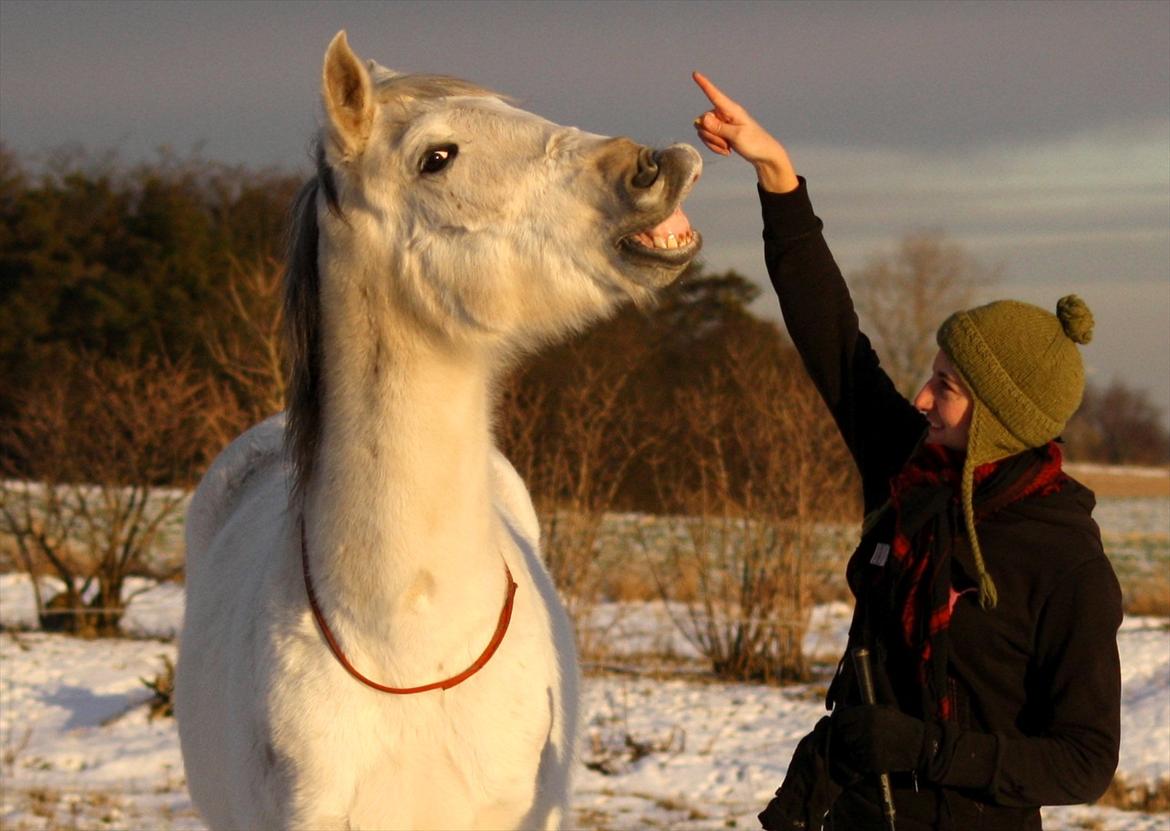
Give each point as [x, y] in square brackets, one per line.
[77, 749]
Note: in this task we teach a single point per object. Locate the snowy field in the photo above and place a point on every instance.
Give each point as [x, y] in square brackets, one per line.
[666, 749]
[673, 751]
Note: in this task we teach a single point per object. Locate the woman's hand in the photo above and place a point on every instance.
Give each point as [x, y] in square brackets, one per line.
[728, 126]
[871, 739]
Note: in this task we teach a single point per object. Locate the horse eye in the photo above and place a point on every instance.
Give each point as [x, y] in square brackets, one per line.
[437, 158]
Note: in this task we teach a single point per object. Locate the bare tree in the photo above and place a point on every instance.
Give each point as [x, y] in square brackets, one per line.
[903, 297]
[95, 458]
[764, 465]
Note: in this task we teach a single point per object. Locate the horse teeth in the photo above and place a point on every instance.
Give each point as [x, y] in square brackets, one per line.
[671, 241]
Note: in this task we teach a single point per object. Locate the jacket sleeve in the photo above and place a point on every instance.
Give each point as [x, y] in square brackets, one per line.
[1077, 682]
[879, 425]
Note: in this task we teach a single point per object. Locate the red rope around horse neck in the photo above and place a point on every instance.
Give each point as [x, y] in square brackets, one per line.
[446, 684]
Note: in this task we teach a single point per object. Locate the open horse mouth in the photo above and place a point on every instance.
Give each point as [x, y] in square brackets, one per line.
[654, 242]
[671, 241]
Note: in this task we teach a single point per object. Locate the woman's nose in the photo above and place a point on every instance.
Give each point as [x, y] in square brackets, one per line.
[924, 399]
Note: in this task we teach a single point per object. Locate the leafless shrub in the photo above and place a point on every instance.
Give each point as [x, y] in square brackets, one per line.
[162, 703]
[763, 467]
[575, 477]
[245, 341]
[97, 457]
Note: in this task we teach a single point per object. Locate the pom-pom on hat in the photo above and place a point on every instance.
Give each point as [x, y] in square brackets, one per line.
[1025, 376]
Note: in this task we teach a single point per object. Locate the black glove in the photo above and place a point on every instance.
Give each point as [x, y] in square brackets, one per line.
[807, 792]
[870, 739]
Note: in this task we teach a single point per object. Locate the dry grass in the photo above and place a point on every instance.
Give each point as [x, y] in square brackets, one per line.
[66, 810]
[1122, 482]
[1149, 597]
[82, 808]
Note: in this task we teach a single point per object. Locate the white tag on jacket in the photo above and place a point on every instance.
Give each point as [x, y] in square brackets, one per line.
[881, 553]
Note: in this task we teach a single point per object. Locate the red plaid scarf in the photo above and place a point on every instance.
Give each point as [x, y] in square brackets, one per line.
[925, 499]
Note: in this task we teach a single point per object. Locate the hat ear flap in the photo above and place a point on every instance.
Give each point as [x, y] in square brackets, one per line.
[988, 597]
[989, 439]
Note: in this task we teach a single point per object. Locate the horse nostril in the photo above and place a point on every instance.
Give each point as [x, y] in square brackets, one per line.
[647, 173]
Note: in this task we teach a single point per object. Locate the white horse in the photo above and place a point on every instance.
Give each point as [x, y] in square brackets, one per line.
[371, 639]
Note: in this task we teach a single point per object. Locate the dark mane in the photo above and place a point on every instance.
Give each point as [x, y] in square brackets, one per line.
[302, 323]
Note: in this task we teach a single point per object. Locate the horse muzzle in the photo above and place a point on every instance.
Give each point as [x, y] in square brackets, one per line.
[656, 241]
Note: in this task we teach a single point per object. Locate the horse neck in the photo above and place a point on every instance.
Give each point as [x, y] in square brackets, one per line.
[399, 508]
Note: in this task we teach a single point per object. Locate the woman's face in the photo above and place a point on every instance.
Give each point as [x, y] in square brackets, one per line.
[947, 405]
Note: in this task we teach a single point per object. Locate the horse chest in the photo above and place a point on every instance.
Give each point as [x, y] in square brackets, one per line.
[423, 761]
[374, 755]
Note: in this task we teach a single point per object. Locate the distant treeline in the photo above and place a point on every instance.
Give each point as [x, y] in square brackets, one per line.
[124, 261]
[175, 263]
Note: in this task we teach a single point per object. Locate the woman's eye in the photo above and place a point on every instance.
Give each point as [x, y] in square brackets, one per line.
[437, 158]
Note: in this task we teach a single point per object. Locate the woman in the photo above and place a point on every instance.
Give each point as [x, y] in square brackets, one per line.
[982, 590]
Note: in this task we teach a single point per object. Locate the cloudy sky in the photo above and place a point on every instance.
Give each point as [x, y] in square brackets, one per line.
[1036, 134]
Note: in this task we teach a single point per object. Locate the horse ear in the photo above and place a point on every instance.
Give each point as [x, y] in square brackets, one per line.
[349, 98]
[379, 73]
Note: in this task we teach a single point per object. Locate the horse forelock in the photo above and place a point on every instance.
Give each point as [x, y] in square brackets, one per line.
[302, 322]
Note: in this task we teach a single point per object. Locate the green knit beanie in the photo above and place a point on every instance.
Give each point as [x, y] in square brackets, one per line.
[1024, 372]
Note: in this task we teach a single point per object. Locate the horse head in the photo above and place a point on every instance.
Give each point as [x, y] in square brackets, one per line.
[482, 221]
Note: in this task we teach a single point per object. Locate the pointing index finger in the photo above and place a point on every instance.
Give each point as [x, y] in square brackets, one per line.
[715, 95]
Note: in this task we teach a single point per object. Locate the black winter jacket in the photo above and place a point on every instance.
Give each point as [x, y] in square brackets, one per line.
[1037, 678]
